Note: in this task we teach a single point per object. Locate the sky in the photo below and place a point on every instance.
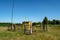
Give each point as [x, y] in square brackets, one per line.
[29, 10]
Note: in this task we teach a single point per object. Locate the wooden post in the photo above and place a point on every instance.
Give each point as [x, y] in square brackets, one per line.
[14, 27]
[43, 27]
[46, 28]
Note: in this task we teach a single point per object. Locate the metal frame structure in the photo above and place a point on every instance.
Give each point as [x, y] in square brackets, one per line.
[27, 27]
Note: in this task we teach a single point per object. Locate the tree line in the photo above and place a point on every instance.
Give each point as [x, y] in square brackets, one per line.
[54, 22]
[45, 20]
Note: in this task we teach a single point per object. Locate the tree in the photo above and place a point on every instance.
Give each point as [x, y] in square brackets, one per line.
[34, 24]
[45, 22]
[54, 21]
[57, 22]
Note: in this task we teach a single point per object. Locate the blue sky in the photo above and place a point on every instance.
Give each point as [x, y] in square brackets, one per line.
[33, 10]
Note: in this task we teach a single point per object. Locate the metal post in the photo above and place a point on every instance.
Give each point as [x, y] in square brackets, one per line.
[30, 28]
[12, 14]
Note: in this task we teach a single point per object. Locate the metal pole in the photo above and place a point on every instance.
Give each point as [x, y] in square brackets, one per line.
[12, 14]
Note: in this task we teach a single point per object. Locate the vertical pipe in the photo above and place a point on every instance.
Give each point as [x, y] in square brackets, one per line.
[12, 14]
[31, 28]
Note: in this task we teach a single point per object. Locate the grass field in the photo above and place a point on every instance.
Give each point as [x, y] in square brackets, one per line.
[52, 34]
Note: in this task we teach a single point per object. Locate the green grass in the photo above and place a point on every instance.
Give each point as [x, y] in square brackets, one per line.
[52, 34]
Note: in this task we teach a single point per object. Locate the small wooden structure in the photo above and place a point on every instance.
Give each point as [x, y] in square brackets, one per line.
[27, 27]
